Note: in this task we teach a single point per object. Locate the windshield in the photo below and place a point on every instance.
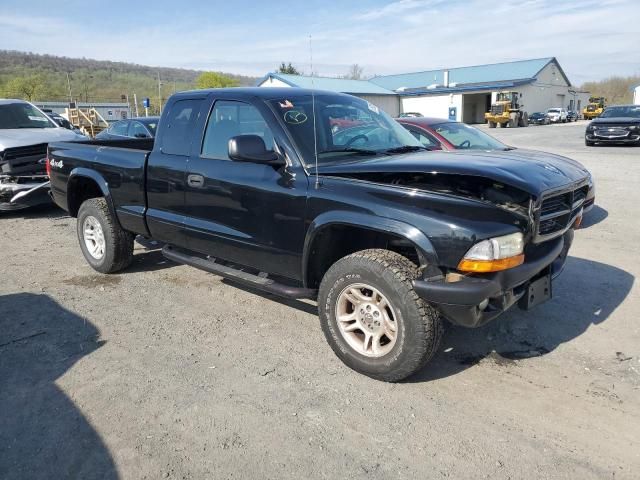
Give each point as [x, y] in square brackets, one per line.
[537, 114]
[23, 115]
[553, 110]
[347, 127]
[462, 136]
[151, 126]
[631, 111]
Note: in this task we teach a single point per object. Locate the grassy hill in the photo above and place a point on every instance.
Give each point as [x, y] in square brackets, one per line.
[616, 90]
[44, 77]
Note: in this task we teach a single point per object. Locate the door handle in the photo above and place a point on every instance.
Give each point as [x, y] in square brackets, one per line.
[196, 181]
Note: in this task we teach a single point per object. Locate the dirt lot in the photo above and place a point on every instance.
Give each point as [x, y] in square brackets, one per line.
[165, 371]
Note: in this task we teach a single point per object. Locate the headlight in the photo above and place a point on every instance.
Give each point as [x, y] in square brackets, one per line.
[494, 254]
[590, 128]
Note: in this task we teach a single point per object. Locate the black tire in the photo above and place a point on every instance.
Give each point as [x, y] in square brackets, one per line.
[492, 124]
[118, 243]
[589, 144]
[419, 325]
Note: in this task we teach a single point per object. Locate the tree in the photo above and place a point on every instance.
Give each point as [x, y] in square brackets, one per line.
[215, 80]
[355, 72]
[614, 89]
[29, 87]
[288, 69]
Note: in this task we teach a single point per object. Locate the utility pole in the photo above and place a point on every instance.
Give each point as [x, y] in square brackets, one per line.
[135, 102]
[69, 86]
[159, 95]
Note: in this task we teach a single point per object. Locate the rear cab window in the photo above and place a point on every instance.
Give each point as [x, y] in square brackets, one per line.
[177, 132]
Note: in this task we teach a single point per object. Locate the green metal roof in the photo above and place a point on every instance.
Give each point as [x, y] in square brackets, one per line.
[341, 85]
[479, 74]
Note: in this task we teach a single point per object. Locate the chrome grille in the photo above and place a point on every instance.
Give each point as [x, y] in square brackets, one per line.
[18, 160]
[557, 212]
[28, 151]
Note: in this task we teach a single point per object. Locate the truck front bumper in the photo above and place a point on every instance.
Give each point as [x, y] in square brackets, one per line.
[472, 301]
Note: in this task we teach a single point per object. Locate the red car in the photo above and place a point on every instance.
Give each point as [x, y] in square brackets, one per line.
[442, 134]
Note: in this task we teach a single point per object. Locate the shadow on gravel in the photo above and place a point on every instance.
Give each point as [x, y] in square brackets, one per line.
[48, 210]
[148, 261]
[596, 215]
[42, 432]
[585, 294]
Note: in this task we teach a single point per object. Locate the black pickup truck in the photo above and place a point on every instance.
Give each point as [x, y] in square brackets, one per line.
[318, 195]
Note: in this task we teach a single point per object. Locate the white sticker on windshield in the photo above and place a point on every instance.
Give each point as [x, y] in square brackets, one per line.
[373, 108]
[37, 119]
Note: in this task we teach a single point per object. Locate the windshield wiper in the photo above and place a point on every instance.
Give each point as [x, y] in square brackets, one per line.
[359, 151]
[405, 149]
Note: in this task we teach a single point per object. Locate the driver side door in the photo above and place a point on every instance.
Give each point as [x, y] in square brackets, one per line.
[248, 213]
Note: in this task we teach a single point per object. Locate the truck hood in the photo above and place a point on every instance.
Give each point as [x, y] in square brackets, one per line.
[530, 171]
[21, 137]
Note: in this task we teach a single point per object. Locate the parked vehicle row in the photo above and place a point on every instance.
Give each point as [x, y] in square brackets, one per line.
[265, 187]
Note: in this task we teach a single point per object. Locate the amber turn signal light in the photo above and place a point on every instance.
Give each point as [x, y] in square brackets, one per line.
[486, 266]
[578, 222]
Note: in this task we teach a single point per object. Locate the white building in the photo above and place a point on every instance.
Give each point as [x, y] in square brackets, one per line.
[462, 94]
[466, 93]
[379, 96]
[110, 111]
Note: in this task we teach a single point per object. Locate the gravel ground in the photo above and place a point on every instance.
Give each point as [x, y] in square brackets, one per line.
[165, 371]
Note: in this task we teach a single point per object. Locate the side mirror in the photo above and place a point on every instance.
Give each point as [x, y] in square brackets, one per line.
[251, 148]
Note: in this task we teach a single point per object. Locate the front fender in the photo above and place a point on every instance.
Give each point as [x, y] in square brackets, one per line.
[423, 245]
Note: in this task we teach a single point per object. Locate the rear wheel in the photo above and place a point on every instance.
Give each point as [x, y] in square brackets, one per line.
[492, 124]
[105, 245]
[373, 319]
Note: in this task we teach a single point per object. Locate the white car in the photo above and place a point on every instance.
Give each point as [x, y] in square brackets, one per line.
[557, 115]
[25, 132]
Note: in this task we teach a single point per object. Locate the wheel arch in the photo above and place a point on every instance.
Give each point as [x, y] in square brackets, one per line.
[84, 184]
[323, 245]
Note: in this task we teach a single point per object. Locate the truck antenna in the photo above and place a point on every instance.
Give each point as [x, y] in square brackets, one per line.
[313, 112]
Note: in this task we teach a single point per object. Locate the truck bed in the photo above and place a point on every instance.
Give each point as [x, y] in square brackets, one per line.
[118, 166]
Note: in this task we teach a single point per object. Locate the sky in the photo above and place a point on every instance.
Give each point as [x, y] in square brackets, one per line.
[592, 39]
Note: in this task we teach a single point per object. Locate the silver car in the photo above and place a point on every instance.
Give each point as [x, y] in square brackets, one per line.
[25, 132]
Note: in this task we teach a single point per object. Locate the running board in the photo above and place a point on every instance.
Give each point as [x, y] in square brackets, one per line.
[256, 281]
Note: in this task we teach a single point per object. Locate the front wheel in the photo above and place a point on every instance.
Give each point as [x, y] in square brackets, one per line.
[373, 319]
[105, 245]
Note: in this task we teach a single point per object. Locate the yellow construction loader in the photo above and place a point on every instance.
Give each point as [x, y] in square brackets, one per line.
[594, 109]
[506, 111]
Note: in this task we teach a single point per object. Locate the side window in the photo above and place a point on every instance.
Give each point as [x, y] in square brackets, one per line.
[119, 128]
[137, 130]
[176, 133]
[423, 138]
[229, 119]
